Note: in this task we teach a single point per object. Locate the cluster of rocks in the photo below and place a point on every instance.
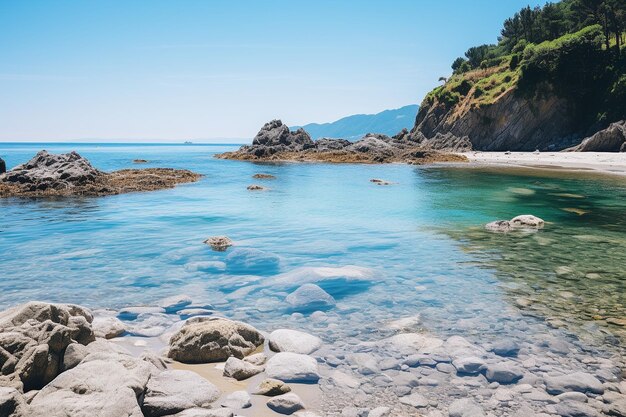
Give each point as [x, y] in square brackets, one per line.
[521, 222]
[71, 174]
[276, 142]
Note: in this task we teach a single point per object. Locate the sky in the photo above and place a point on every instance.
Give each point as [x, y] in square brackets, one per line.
[153, 70]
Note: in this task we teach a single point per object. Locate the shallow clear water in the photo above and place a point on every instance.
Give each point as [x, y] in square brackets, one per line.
[415, 247]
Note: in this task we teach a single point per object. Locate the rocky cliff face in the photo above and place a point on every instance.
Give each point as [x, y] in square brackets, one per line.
[511, 122]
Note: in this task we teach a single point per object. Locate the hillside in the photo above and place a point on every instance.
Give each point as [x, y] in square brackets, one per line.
[388, 122]
[556, 76]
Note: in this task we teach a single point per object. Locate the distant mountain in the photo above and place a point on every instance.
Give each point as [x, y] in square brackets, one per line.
[388, 122]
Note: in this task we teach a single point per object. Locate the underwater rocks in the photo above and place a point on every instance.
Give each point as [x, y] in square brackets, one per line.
[275, 142]
[212, 339]
[71, 174]
[308, 298]
[286, 340]
[524, 221]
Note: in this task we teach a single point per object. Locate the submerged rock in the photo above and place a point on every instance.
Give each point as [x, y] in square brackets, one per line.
[499, 226]
[219, 243]
[255, 187]
[527, 221]
[212, 339]
[263, 177]
[71, 174]
[309, 297]
[578, 381]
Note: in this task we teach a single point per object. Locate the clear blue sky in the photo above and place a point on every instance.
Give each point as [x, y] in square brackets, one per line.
[174, 70]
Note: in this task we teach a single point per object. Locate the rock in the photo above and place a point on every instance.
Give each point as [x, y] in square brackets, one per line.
[71, 174]
[415, 400]
[257, 359]
[240, 370]
[219, 243]
[108, 327]
[365, 363]
[237, 400]
[310, 297]
[73, 355]
[252, 261]
[271, 387]
[286, 403]
[33, 340]
[505, 348]
[499, 226]
[578, 381]
[378, 181]
[154, 359]
[205, 412]
[465, 408]
[611, 139]
[140, 161]
[379, 412]
[285, 340]
[411, 343]
[328, 145]
[170, 392]
[275, 133]
[342, 379]
[12, 403]
[527, 221]
[3, 166]
[256, 187]
[212, 339]
[575, 409]
[106, 379]
[175, 303]
[468, 365]
[263, 177]
[132, 313]
[292, 367]
[503, 372]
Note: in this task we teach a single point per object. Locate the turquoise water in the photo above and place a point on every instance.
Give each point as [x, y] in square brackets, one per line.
[415, 247]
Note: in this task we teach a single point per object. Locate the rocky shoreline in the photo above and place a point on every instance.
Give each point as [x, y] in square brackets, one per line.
[180, 358]
[48, 175]
[275, 142]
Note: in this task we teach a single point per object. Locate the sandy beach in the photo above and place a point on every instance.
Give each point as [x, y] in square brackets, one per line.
[605, 162]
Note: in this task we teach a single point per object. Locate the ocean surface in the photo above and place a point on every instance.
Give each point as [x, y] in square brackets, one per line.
[414, 249]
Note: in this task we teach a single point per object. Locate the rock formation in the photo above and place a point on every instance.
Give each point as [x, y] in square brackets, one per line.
[611, 139]
[71, 174]
[276, 142]
[3, 166]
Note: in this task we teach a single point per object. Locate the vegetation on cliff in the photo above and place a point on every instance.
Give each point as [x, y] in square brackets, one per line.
[572, 50]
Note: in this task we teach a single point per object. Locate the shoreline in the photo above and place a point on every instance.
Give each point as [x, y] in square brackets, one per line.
[590, 162]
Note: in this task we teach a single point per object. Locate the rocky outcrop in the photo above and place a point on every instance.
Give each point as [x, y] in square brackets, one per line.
[71, 174]
[3, 166]
[611, 139]
[33, 341]
[276, 142]
[212, 339]
[511, 122]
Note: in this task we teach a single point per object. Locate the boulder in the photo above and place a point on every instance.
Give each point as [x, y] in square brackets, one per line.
[170, 392]
[309, 297]
[285, 340]
[237, 400]
[271, 387]
[505, 348]
[527, 221]
[503, 372]
[256, 187]
[3, 166]
[219, 243]
[33, 340]
[499, 226]
[465, 407]
[468, 365]
[263, 177]
[240, 370]
[213, 339]
[611, 139]
[46, 171]
[275, 133]
[577, 381]
[286, 403]
[108, 327]
[292, 367]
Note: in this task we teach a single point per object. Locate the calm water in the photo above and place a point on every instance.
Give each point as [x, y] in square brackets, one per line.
[416, 247]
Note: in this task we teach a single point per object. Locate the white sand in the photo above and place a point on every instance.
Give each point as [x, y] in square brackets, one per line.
[605, 162]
